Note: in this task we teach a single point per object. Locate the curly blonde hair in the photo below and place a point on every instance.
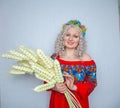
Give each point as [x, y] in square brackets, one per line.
[59, 44]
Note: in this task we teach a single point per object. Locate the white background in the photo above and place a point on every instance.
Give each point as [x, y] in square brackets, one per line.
[36, 24]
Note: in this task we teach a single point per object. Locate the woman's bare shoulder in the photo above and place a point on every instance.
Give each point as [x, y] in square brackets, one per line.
[86, 57]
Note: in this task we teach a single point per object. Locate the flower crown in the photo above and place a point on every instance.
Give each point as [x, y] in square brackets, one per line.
[76, 23]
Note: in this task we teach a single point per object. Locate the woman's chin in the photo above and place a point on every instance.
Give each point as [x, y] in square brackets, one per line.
[70, 47]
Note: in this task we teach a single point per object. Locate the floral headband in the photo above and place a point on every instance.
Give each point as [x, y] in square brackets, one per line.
[76, 23]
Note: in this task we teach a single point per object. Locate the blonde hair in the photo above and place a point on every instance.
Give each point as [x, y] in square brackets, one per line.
[59, 45]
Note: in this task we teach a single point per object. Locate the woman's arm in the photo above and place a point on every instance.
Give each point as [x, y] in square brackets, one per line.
[90, 82]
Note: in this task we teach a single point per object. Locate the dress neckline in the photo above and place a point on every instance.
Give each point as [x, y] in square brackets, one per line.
[62, 61]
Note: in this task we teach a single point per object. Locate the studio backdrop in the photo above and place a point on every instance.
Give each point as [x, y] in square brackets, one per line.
[36, 24]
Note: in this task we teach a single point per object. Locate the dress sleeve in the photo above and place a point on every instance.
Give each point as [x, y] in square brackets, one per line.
[87, 86]
[54, 56]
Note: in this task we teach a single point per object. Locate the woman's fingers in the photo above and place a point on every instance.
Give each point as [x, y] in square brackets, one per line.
[68, 76]
[65, 74]
[61, 87]
[69, 80]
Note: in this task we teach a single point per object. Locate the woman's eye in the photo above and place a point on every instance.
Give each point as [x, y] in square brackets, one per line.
[67, 34]
[75, 36]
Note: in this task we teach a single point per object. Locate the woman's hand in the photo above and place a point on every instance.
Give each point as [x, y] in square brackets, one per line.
[60, 87]
[69, 81]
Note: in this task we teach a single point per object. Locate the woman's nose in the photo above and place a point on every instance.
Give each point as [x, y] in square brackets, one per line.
[70, 38]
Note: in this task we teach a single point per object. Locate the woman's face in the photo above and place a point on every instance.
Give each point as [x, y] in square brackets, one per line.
[71, 38]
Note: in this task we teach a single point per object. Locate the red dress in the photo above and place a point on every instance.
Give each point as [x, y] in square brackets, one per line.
[84, 73]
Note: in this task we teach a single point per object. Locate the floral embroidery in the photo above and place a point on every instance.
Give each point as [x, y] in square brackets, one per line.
[80, 72]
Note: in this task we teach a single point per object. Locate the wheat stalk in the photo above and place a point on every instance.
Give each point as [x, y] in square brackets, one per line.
[43, 67]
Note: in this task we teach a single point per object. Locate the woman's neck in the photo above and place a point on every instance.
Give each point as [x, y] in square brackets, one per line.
[69, 54]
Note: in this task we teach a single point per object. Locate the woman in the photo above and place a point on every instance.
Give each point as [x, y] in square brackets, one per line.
[79, 69]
